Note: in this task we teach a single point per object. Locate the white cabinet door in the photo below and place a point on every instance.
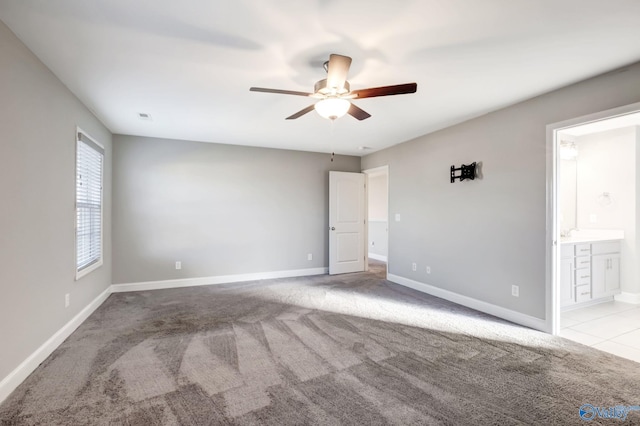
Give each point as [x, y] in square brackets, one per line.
[612, 278]
[599, 265]
[567, 296]
[605, 275]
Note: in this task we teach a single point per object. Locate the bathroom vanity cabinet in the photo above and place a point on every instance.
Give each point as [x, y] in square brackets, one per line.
[589, 271]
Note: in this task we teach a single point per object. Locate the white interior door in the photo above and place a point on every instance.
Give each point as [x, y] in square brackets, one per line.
[346, 222]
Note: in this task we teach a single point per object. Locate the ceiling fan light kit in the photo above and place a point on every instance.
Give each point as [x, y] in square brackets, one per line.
[334, 93]
[332, 108]
[322, 88]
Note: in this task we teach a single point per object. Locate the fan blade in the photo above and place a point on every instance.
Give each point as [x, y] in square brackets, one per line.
[398, 89]
[337, 71]
[358, 113]
[282, 92]
[300, 113]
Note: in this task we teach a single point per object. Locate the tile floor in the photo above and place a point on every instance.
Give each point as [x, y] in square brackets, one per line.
[612, 327]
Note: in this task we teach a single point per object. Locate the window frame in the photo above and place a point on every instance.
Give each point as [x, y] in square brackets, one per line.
[81, 272]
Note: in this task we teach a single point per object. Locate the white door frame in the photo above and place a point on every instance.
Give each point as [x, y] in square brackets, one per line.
[552, 270]
[367, 172]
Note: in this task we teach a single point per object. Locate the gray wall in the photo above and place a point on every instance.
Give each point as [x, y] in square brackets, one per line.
[482, 236]
[219, 209]
[38, 119]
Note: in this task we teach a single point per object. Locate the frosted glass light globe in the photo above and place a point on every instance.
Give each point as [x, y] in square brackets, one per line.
[332, 108]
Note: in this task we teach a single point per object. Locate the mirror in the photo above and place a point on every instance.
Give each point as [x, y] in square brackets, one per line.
[568, 188]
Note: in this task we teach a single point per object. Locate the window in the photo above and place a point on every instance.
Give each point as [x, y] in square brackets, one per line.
[89, 170]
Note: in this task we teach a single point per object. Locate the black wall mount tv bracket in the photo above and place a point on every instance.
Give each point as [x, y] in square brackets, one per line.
[466, 172]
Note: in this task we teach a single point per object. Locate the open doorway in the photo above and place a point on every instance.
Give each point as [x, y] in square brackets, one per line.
[596, 229]
[378, 219]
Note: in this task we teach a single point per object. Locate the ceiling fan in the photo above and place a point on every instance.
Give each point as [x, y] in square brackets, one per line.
[334, 93]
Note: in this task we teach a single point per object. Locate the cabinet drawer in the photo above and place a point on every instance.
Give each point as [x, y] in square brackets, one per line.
[583, 249]
[583, 262]
[583, 277]
[606, 247]
[583, 293]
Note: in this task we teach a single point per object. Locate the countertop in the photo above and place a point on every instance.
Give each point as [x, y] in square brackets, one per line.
[592, 235]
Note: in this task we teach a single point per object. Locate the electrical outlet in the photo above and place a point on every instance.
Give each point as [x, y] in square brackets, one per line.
[310, 256]
[67, 300]
[178, 264]
[397, 217]
[593, 218]
[414, 267]
[515, 291]
[428, 269]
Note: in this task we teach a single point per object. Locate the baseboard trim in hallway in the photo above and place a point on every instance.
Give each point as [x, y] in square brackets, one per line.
[377, 257]
[22, 371]
[478, 305]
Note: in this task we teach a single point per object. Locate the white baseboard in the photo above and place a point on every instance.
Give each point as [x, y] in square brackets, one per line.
[628, 298]
[478, 305]
[586, 304]
[22, 371]
[377, 257]
[220, 279]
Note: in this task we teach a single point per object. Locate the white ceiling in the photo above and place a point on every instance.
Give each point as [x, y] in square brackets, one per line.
[190, 63]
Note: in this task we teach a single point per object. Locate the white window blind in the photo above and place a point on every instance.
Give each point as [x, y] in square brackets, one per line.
[89, 159]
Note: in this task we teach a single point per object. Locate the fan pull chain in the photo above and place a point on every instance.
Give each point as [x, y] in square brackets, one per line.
[331, 137]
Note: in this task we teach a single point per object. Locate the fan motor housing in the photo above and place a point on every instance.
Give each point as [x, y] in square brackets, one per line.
[321, 87]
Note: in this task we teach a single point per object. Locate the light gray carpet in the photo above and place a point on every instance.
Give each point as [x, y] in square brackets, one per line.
[350, 349]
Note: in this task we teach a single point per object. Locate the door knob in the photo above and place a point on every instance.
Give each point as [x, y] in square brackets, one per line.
[333, 228]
